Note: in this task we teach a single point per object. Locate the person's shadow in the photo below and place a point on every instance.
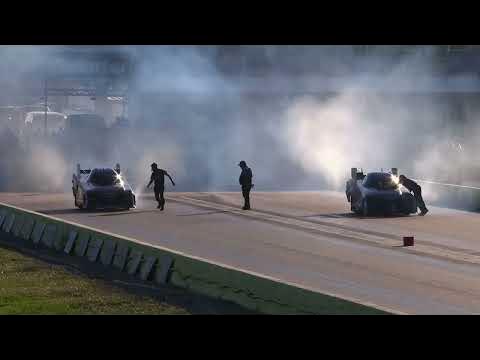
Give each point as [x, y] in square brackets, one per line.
[352, 215]
[205, 213]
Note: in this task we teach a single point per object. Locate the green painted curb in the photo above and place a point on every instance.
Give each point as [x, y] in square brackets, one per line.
[253, 291]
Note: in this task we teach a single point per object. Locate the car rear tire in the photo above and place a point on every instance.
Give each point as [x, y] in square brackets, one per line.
[80, 205]
[132, 203]
[409, 204]
[365, 209]
[74, 198]
[389, 211]
[86, 203]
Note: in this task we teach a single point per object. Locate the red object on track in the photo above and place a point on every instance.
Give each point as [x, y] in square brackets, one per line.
[408, 241]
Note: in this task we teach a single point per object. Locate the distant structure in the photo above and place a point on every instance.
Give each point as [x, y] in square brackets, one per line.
[100, 79]
[84, 79]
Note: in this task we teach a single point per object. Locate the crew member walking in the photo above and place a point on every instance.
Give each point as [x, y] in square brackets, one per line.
[412, 186]
[158, 177]
[245, 181]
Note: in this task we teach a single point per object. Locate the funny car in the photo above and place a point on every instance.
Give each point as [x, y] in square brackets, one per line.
[102, 188]
[378, 192]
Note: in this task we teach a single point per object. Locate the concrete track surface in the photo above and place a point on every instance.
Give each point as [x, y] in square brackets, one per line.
[308, 238]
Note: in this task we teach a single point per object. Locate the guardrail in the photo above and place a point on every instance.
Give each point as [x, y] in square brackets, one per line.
[165, 266]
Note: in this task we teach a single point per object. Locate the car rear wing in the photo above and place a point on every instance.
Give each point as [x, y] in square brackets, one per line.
[84, 172]
[356, 175]
[81, 171]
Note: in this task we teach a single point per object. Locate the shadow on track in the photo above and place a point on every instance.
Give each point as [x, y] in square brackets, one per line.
[97, 212]
[205, 213]
[124, 212]
[59, 211]
[357, 216]
[331, 216]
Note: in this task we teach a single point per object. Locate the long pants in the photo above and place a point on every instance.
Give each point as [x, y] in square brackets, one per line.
[420, 202]
[159, 196]
[246, 196]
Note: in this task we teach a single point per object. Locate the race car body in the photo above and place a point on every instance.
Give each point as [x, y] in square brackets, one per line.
[378, 192]
[102, 188]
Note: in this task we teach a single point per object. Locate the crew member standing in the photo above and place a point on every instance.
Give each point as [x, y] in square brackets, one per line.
[245, 181]
[412, 186]
[158, 177]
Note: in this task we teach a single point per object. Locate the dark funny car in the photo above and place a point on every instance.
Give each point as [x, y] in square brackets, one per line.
[102, 188]
[378, 193]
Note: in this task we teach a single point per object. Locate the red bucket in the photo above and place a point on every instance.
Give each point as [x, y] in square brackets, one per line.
[408, 241]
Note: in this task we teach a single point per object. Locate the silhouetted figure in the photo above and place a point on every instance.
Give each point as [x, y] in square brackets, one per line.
[412, 186]
[245, 181]
[158, 177]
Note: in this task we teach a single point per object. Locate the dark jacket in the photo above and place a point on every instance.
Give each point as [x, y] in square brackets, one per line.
[411, 185]
[158, 178]
[246, 177]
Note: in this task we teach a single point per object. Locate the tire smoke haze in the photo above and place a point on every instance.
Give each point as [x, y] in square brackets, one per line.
[296, 132]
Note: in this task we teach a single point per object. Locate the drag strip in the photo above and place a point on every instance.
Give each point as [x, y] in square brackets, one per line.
[444, 228]
[343, 232]
[294, 248]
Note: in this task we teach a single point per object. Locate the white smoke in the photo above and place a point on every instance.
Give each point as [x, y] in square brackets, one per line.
[46, 168]
[379, 122]
[197, 123]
